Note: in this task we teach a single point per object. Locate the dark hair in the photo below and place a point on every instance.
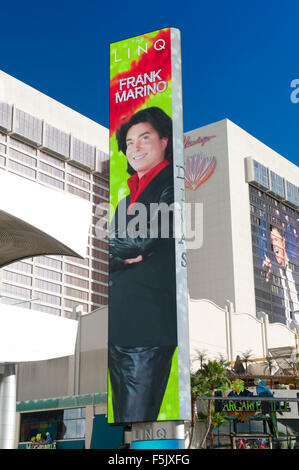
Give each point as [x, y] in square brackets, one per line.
[158, 119]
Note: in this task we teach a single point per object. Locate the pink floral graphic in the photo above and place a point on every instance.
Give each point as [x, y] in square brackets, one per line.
[198, 169]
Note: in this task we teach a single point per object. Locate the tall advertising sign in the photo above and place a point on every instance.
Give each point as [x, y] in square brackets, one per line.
[148, 338]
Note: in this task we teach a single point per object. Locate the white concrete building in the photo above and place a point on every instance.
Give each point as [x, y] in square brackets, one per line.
[50, 146]
[250, 196]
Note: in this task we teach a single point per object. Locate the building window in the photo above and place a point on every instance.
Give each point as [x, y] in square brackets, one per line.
[17, 167]
[18, 278]
[61, 424]
[49, 286]
[51, 181]
[292, 193]
[261, 174]
[20, 145]
[46, 309]
[84, 153]
[28, 126]
[48, 274]
[45, 260]
[51, 170]
[48, 298]
[77, 270]
[78, 294]
[57, 140]
[15, 154]
[78, 192]
[277, 184]
[52, 160]
[5, 115]
[20, 266]
[78, 182]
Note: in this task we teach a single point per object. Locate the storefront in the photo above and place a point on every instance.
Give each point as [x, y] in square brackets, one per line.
[78, 422]
[256, 419]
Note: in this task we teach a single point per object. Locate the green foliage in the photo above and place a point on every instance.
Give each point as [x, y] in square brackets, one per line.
[238, 386]
[211, 377]
[246, 356]
[218, 419]
[200, 356]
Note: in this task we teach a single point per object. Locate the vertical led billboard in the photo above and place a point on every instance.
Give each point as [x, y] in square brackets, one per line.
[148, 341]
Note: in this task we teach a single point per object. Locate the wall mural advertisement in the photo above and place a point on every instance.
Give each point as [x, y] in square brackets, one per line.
[148, 373]
[275, 228]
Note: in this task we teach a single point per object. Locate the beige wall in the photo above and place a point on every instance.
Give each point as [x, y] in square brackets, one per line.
[210, 268]
[58, 377]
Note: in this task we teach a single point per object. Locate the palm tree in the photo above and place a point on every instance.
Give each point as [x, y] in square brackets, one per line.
[217, 420]
[223, 361]
[246, 356]
[200, 356]
[203, 383]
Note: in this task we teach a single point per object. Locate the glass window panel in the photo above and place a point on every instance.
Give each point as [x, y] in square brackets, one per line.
[292, 193]
[2, 148]
[20, 266]
[50, 286]
[84, 153]
[47, 273]
[51, 181]
[22, 145]
[15, 290]
[52, 160]
[48, 298]
[277, 184]
[57, 140]
[52, 170]
[17, 167]
[46, 309]
[77, 270]
[72, 413]
[22, 157]
[78, 171]
[5, 115]
[78, 192]
[28, 126]
[261, 174]
[76, 282]
[78, 181]
[76, 293]
[18, 278]
[2, 161]
[45, 260]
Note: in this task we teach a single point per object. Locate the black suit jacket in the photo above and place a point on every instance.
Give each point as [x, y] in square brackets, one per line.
[142, 296]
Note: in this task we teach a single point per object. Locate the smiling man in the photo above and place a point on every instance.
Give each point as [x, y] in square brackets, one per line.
[142, 287]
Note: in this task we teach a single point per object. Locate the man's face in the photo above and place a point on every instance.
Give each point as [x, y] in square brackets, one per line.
[278, 243]
[145, 148]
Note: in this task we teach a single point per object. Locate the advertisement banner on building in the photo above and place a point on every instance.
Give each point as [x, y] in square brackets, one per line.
[148, 340]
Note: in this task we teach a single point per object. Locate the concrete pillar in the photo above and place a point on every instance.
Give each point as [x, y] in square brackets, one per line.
[8, 392]
[231, 329]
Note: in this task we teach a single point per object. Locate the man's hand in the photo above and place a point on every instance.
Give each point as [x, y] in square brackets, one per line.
[133, 260]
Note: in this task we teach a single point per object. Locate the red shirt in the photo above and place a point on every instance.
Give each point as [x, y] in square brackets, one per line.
[137, 185]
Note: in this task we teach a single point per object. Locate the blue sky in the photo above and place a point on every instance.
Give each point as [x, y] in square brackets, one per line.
[239, 58]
